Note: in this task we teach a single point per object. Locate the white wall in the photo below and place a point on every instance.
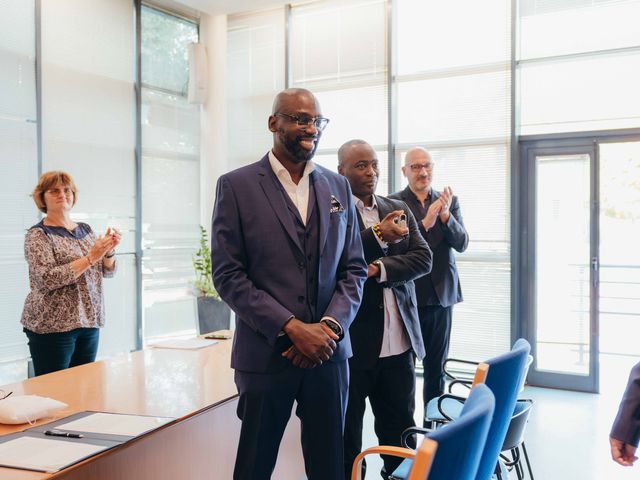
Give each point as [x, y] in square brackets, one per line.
[214, 159]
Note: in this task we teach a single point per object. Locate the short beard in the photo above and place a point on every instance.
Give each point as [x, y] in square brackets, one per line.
[298, 153]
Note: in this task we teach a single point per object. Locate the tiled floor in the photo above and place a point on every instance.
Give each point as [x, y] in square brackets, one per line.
[567, 435]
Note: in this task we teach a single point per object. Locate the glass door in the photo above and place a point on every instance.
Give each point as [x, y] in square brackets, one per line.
[562, 266]
[619, 269]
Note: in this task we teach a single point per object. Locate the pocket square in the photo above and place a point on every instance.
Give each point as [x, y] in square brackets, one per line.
[336, 206]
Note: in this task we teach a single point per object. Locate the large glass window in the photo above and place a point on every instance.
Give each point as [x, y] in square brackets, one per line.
[18, 163]
[255, 64]
[88, 129]
[339, 51]
[170, 175]
[454, 98]
[578, 65]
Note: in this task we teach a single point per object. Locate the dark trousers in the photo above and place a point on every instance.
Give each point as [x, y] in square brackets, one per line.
[435, 323]
[391, 388]
[265, 404]
[51, 352]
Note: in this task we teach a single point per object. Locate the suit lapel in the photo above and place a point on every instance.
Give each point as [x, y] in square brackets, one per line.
[275, 198]
[384, 208]
[323, 202]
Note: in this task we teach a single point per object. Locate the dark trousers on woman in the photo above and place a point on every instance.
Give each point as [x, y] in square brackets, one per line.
[51, 352]
[435, 323]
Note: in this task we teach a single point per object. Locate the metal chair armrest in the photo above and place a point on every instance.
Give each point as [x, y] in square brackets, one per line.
[444, 397]
[465, 383]
[450, 375]
[413, 431]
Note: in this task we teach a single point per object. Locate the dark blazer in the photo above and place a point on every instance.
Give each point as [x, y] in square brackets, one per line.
[442, 239]
[626, 426]
[404, 262]
[258, 264]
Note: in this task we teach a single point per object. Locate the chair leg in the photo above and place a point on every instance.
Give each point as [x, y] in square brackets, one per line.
[517, 463]
[526, 457]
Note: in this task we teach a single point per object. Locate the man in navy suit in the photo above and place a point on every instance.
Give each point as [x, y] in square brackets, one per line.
[287, 258]
[440, 223]
[625, 432]
[385, 334]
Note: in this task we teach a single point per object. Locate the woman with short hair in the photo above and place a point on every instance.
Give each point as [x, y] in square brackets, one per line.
[65, 308]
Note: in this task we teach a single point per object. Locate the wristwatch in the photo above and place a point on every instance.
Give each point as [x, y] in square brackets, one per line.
[334, 327]
[378, 263]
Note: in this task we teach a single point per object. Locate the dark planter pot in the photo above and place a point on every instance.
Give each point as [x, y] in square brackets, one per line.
[213, 315]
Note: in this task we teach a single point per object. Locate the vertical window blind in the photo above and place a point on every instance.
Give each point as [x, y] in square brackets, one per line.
[454, 98]
[18, 162]
[88, 130]
[170, 176]
[255, 66]
[572, 79]
[339, 52]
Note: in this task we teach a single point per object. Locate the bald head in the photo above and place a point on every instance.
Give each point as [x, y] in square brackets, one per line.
[343, 151]
[291, 96]
[359, 163]
[417, 152]
[418, 168]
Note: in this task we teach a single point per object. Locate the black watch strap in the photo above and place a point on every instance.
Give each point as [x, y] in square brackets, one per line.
[334, 327]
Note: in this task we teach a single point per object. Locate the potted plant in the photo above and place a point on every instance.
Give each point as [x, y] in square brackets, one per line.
[213, 313]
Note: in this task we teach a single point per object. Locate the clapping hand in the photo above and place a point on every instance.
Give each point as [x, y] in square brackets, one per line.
[115, 235]
[433, 212]
[445, 200]
[100, 248]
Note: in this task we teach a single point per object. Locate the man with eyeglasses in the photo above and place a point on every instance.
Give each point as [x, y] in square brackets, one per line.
[287, 258]
[440, 223]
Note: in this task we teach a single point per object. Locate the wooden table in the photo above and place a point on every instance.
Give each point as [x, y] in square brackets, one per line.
[194, 386]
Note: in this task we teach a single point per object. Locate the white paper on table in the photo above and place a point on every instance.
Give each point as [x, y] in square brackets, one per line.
[185, 343]
[114, 424]
[44, 454]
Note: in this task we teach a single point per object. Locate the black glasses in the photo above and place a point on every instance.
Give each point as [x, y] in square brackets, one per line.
[4, 395]
[416, 167]
[304, 121]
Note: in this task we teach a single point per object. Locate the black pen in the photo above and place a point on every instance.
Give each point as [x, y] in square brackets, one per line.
[60, 433]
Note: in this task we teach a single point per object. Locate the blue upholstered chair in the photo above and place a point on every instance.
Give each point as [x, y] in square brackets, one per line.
[504, 377]
[447, 407]
[449, 453]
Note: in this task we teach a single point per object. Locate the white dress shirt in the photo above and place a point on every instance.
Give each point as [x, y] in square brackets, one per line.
[394, 339]
[299, 194]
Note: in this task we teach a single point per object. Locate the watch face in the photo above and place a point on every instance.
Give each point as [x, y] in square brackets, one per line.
[334, 328]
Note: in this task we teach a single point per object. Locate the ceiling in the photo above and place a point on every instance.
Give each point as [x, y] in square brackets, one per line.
[219, 7]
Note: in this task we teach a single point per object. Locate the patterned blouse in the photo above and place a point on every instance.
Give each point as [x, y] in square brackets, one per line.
[59, 302]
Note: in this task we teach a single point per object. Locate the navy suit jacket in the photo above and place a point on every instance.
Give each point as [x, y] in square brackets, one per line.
[258, 262]
[442, 239]
[404, 261]
[626, 426]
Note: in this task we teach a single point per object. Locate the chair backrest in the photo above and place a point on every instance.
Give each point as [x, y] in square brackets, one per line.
[458, 445]
[517, 425]
[504, 378]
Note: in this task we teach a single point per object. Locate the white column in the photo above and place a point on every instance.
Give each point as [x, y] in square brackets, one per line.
[213, 143]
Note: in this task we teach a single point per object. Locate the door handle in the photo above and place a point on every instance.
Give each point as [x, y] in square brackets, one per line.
[594, 270]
